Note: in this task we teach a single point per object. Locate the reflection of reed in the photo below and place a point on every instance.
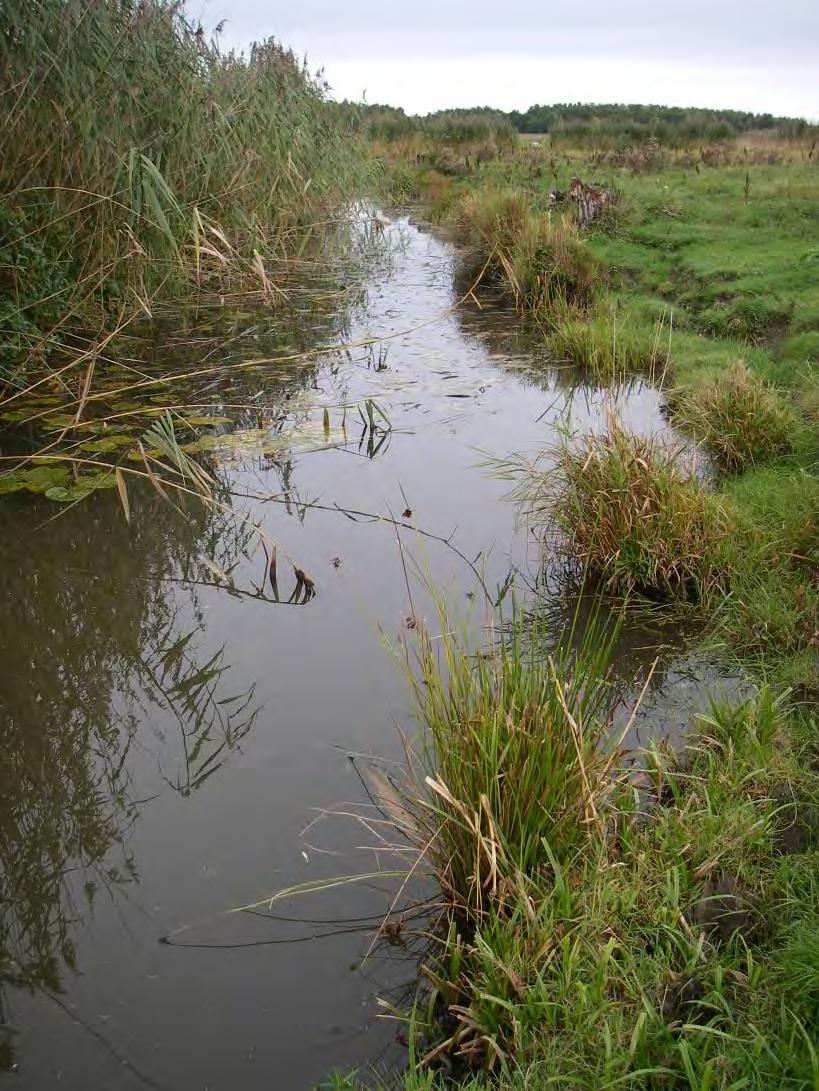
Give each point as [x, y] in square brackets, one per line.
[86, 662]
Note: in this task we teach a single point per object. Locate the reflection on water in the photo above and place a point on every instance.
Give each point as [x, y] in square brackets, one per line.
[93, 649]
[183, 696]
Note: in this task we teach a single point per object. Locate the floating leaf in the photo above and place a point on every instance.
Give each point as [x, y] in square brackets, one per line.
[59, 421]
[206, 422]
[35, 479]
[109, 443]
[65, 496]
[101, 427]
[82, 487]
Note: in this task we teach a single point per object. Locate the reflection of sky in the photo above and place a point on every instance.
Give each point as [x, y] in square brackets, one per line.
[438, 53]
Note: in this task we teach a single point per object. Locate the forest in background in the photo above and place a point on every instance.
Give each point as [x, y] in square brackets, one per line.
[579, 123]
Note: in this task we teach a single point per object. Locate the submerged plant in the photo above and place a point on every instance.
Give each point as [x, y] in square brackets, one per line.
[740, 419]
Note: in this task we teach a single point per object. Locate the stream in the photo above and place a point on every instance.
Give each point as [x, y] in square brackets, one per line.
[178, 744]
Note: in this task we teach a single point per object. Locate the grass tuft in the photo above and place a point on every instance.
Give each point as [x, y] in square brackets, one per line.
[668, 941]
[632, 515]
[507, 243]
[610, 346]
[740, 419]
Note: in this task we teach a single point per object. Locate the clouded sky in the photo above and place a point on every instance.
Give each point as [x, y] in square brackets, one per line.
[429, 54]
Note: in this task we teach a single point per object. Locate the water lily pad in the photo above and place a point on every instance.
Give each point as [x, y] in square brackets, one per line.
[108, 443]
[59, 421]
[242, 441]
[34, 479]
[82, 487]
[101, 427]
[204, 443]
[151, 452]
[206, 422]
[64, 495]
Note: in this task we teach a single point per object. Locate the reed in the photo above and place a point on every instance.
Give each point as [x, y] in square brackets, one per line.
[140, 161]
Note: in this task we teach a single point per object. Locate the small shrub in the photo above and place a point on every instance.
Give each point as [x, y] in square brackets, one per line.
[740, 419]
[631, 516]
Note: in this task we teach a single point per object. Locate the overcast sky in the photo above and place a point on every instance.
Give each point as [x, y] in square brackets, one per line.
[429, 54]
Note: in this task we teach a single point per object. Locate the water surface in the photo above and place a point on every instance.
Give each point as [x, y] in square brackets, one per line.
[169, 730]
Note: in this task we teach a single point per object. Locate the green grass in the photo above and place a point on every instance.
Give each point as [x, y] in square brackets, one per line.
[630, 514]
[772, 611]
[512, 755]
[665, 940]
[671, 942]
[609, 344]
[739, 418]
[728, 272]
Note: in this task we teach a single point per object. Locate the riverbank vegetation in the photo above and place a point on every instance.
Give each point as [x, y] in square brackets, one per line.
[630, 514]
[645, 920]
[145, 168]
[700, 275]
[505, 244]
[647, 929]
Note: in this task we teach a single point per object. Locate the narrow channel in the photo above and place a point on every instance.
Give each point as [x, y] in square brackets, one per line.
[203, 741]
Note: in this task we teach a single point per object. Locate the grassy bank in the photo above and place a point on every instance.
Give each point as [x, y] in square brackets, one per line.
[653, 929]
[702, 277]
[609, 927]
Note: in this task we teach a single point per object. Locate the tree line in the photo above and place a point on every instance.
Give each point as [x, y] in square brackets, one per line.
[577, 122]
